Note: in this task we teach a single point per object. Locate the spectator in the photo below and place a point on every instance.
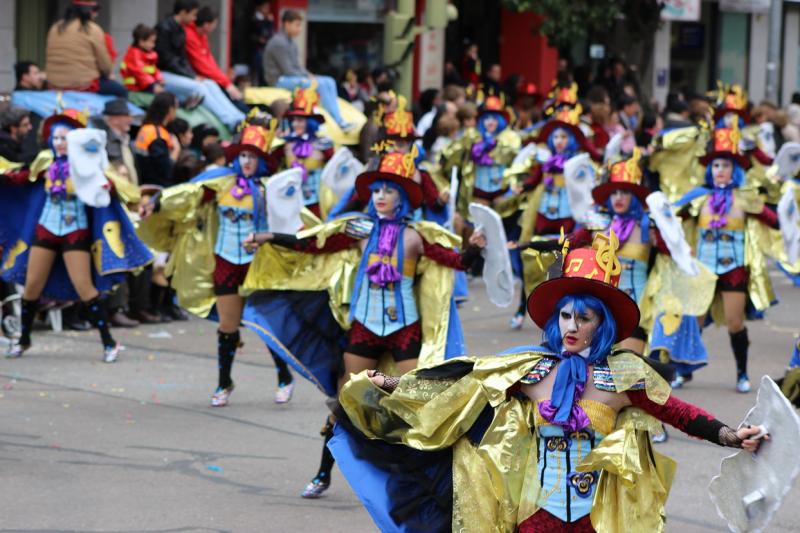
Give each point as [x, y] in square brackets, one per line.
[15, 125]
[282, 66]
[447, 130]
[352, 91]
[77, 54]
[451, 75]
[179, 76]
[213, 155]
[187, 164]
[471, 66]
[429, 101]
[116, 122]
[493, 80]
[202, 136]
[154, 149]
[262, 28]
[199, 51]
[467, 116]
[242, 82]
[139, 67]
[29, 77]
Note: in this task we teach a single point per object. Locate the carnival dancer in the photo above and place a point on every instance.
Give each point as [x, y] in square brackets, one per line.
[204, 224]
[304, 148]
[397, 134]
[396, 261]
[66, 233]
[548, 211]
[730, 238]
[537, 439]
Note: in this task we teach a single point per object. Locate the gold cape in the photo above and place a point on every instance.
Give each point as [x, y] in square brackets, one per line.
[676, 160]
[278, 268]
[187, 227]
[495, 486]
[459, 154]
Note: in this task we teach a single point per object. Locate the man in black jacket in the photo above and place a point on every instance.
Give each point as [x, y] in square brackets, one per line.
[179, 77]
[15, 124]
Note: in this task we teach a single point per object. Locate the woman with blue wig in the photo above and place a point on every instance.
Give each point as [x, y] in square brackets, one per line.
[730, 240]
[304, 148]
[386, 305]
[537, 439]
[210, 219]
[67, 236]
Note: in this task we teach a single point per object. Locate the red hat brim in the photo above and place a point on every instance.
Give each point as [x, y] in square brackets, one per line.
[602, 192]
[542, 302]
[551, 125]
[47, 126]
[299, 113]
[236, 149]
[743, 161]
[412, 188]
[503, 113]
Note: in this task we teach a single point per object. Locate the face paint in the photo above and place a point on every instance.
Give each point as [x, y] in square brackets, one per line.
[577, 328]
[385, 200]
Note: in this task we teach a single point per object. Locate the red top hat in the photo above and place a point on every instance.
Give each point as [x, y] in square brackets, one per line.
[399, 124]
[304, 103]
[594, 271]
[71, 117]
[625, 175]
[725, 144]
[256, 139]
[395, 167]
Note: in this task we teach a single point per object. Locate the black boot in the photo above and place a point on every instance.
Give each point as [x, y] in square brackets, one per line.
[740, 344]
[322, 481]
[98, 316]
[26, 321]
[227, 343]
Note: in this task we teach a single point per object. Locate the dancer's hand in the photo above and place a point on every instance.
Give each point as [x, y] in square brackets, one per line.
[376, 377]
[478, 239]
[147, 209]
[750, 444]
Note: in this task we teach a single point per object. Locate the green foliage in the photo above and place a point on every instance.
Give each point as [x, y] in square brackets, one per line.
[566, 21]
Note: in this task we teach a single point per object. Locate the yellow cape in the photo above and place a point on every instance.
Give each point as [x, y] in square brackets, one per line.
[278, 268]
[494, 481]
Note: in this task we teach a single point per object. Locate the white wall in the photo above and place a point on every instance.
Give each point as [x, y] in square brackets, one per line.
[7, 44]
[757, 64]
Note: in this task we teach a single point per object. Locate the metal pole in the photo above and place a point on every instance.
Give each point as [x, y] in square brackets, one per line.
[774, 50]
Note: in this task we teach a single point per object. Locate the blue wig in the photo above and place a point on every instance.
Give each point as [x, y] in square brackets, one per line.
[261, 170]
[312, 126]
[737, 176]
[603, 338]
[572, 144]
[501, 124]
[402, 209]
[635, 210]
[55, 125]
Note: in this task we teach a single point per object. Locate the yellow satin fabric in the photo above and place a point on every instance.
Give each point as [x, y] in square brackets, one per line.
[278, 268]
[494, 481]
[676, 161]
[635, 250]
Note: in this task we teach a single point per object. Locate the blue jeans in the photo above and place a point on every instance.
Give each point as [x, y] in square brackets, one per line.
[214, 98]
[326, 87]
[112, 88]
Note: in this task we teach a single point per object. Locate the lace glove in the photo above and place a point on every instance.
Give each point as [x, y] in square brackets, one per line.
[390, 383]
[729, 438]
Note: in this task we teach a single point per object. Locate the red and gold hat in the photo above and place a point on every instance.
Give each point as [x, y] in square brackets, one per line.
[566, 117]
[395, 167]
[72, 117]
[494, 104]
[256, 139]
[594, 271]
[399, 124]
[625, 175]
[725, 144]
[305, 102]
[731, 99]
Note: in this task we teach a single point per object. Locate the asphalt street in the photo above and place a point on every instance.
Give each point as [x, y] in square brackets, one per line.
[134, 446]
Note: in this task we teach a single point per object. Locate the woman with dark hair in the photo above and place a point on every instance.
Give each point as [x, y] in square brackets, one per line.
[155, 148]
[79, 53]
[536, 439]
[67, 236]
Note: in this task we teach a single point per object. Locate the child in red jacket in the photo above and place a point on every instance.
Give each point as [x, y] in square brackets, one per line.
[138, 67]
